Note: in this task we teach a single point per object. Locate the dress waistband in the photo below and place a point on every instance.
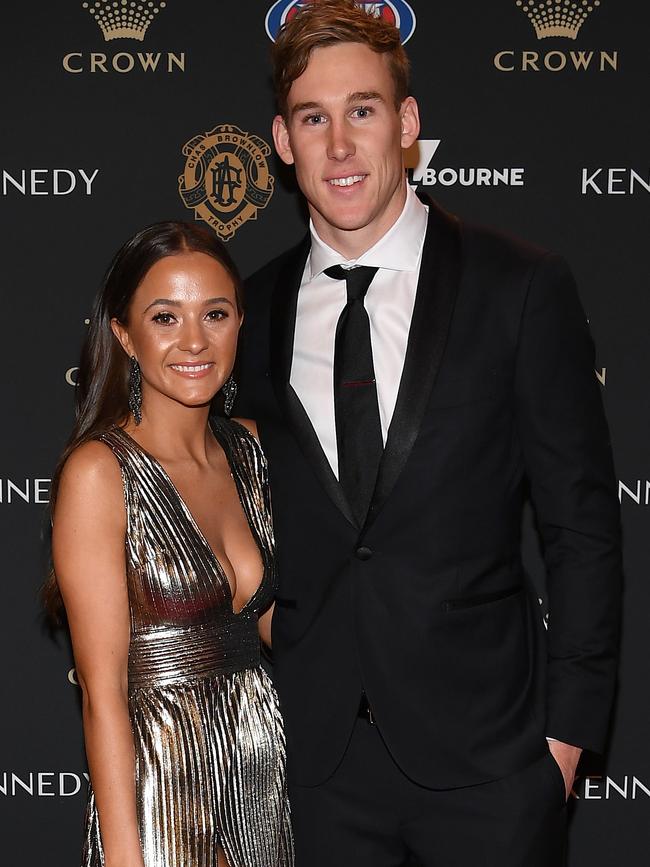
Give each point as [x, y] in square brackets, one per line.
[168, 655]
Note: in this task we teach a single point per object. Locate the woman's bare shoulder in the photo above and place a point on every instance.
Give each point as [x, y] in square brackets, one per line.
[91, 470]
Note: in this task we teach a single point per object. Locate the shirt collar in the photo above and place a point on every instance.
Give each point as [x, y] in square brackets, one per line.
[398, 250]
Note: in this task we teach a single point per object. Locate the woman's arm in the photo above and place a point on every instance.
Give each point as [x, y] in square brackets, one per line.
[89, 559]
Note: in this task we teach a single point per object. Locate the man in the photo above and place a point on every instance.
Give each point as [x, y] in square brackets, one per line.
[413, 378]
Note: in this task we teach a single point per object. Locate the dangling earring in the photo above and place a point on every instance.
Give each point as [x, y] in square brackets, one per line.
[135, 390]
[229, 390]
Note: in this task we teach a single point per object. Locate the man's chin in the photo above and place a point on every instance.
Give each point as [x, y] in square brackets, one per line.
[346, 220]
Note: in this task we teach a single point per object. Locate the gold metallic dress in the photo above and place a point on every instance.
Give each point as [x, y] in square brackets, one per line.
[209, 743]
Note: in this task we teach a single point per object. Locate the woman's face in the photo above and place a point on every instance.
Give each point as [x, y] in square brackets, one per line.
[182, 328]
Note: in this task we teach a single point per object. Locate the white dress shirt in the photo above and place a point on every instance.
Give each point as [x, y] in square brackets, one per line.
[389, 303]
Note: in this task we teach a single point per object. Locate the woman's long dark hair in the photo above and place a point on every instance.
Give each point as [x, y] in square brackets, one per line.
[102, 390]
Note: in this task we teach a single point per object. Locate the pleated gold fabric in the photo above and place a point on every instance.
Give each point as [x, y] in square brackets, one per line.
[209, 743]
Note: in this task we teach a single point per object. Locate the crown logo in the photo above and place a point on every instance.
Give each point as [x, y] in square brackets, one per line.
[124, 19]
[557, 17]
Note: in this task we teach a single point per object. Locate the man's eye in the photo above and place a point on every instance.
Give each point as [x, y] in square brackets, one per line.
[163, 318]
[314, 119]
[362, 112]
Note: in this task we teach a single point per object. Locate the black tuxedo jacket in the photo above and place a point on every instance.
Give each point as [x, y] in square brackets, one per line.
[426, 607]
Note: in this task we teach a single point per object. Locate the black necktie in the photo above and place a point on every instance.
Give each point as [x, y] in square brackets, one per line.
[358, 427]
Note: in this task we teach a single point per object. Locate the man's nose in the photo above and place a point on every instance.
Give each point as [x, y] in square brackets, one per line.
[341, 144]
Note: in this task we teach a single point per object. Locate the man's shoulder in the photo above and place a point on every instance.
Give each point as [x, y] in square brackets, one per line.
[499, 259]
[490, 257]
[488, 242]
[266, 277]
[486, 245]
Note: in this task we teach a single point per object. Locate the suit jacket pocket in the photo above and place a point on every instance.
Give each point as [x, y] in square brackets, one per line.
[464, 602]
[480, 650]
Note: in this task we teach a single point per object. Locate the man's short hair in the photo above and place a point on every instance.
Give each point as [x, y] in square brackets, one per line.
[329, 22]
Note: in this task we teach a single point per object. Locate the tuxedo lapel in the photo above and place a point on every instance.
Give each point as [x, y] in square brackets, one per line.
[283, 322]
[434, 304]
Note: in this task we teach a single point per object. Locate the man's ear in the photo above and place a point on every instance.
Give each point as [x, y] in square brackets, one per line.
[410, 120]
[122, 335]
[281, 140]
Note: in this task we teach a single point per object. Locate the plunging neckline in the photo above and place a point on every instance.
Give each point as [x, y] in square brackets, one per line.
[194, 524]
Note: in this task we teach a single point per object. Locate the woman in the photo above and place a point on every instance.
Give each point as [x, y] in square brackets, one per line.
[163, 554]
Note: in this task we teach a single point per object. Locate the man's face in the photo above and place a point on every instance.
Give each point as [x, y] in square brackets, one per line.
[346, 138]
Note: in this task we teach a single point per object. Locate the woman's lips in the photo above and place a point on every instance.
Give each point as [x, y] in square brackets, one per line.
[193, 371]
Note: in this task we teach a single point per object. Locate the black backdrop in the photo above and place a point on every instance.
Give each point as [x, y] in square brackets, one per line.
[92, 149]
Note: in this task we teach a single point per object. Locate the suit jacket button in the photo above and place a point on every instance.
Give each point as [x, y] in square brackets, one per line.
[363, 553]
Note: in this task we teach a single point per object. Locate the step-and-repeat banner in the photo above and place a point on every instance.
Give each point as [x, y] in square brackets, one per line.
[118, 114]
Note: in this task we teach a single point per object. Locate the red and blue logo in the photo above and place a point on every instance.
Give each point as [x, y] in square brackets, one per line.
[397, 12]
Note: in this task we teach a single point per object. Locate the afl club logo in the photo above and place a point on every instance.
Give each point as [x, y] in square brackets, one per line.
[226, 179]
[397, 12]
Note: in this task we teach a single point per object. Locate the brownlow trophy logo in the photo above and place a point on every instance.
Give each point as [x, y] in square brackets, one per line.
[226, 180]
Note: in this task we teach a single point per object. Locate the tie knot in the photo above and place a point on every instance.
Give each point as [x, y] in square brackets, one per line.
[357, 280]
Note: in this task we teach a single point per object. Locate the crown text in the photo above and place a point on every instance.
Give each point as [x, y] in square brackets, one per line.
[97, 61]
[556, 61]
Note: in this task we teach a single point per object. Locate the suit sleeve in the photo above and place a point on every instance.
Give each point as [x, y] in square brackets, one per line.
[568, 460]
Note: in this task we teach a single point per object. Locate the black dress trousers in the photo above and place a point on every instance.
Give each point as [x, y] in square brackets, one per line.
[369, 814]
